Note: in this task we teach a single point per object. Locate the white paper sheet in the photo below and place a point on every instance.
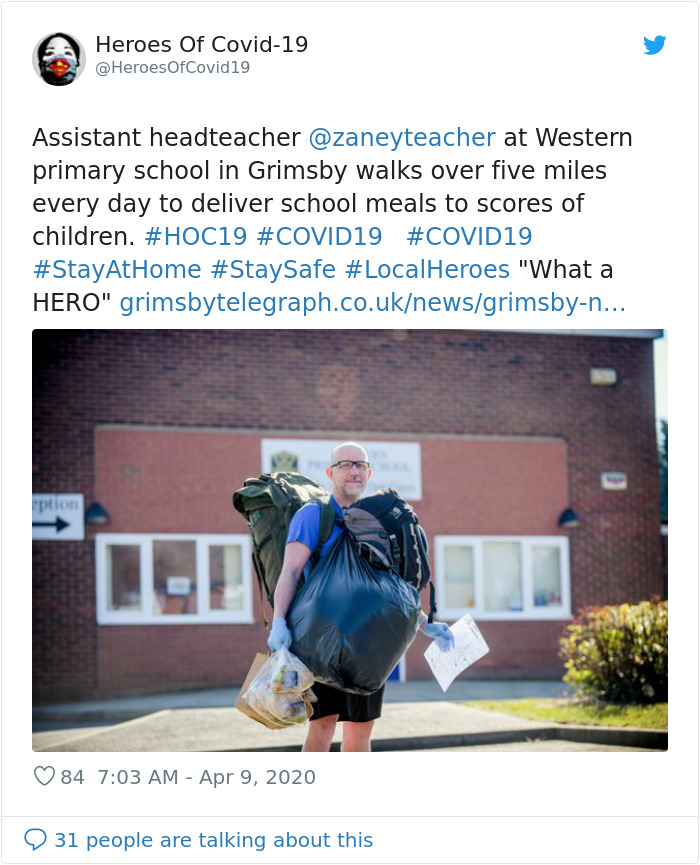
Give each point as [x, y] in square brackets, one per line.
[469, 647]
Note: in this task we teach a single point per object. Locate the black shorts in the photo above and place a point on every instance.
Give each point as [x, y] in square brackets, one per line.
[348, 707]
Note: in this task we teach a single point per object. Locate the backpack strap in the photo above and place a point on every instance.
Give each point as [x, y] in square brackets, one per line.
[259, 573]
[433, 608]
[395, 551]
[329, 515]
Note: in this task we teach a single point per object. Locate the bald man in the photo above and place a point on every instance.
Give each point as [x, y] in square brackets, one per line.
[349, 471]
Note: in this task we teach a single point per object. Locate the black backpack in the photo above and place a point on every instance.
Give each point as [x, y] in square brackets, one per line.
[268, 504]
[388, 532]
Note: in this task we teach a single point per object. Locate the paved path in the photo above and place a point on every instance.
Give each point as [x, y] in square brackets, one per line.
[416, 716]
[127, 708]
[229, 730]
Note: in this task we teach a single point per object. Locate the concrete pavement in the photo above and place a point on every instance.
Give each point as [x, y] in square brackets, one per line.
[229, 730]
[128, 708]
[417, 715]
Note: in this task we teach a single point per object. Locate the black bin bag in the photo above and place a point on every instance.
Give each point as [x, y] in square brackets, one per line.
[352, 621]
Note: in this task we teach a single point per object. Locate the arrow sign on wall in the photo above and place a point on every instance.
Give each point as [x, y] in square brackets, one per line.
[58, 524]
[58, 517]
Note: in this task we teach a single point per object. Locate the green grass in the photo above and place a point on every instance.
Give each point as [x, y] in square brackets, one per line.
[569, 711]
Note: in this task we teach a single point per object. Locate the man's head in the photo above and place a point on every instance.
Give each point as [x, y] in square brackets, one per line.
[349, 471]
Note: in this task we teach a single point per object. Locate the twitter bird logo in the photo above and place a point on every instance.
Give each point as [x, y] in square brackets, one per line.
[653, 46]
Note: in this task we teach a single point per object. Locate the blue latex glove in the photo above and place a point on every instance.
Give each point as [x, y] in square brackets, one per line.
[280, 636]
[442, 635]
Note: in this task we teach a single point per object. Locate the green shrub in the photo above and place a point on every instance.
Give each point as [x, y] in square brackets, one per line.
[619, 654]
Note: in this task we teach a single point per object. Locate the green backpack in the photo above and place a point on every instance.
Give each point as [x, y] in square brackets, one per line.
[268, 504]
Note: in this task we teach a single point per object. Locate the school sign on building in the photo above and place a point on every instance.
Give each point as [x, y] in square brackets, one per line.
[530, 458]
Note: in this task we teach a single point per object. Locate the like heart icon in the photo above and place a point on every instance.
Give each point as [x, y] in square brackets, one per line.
[44, 774]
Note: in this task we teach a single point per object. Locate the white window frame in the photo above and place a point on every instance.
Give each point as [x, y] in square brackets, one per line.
[529, 611]
[145, 615]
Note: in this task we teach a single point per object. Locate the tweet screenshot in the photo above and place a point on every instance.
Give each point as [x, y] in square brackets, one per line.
[340, 339]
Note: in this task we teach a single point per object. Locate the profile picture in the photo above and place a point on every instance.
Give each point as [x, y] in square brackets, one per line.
[59, 59]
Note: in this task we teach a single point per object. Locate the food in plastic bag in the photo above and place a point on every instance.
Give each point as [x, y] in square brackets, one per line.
[352, 621]
[281, 690]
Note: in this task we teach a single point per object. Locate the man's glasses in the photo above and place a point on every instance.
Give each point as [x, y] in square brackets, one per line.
[346, 465]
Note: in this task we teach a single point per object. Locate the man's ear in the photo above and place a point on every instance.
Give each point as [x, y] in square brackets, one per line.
[329, 473]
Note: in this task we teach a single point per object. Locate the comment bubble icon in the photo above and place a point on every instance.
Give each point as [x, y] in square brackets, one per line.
[35, 838]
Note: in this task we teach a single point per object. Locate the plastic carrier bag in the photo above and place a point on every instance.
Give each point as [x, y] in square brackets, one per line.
[352, 621]
[280, 691]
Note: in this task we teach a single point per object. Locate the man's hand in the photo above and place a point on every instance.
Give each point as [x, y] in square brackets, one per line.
[441, 633]
[280, 636]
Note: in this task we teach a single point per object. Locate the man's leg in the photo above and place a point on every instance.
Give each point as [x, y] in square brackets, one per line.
[320, 734]
[356, 735]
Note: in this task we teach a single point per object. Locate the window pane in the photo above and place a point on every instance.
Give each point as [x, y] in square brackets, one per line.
[174, 578]
[502, 576]
[546, 576]
[226, 578]
[459, 577]
[123, 577]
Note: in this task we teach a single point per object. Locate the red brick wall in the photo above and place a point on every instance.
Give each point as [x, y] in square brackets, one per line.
[436, 383]
[167, 481]
[161, 481]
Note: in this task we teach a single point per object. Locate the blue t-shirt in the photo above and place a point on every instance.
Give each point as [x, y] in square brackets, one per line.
[306, 525]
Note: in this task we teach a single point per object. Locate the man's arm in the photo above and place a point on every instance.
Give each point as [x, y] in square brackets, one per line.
[302, 538]
[296, 555]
